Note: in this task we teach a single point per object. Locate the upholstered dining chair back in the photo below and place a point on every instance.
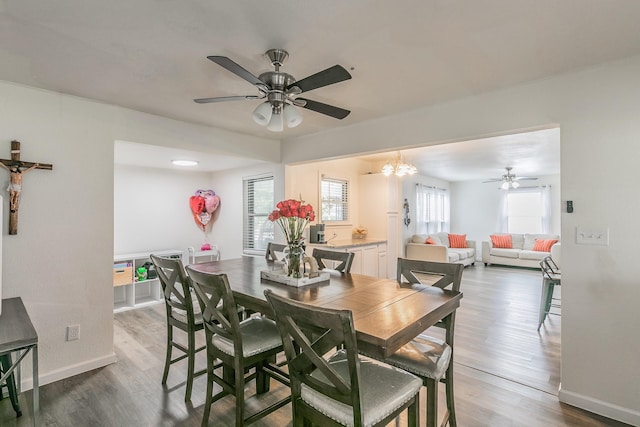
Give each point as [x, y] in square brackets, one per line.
[345, 259]
[328, 385]
[272, 250]
[218, 307]
[182, 314]
[440, 274]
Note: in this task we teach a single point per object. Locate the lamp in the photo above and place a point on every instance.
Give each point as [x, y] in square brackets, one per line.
[276, 124]
[508, 182]
[291, 116]
[398, 168]
[274, 114]
[262, 114]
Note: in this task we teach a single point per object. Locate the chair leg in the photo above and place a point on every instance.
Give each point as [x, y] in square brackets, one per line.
[209, 398]
[413, 417]
[451, 408]
[167, 360]
[544, 298]
[191, 362]
[239, 391]
[432, 402]
[263, 380]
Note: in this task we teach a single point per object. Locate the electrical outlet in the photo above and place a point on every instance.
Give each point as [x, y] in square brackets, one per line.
[73, 332]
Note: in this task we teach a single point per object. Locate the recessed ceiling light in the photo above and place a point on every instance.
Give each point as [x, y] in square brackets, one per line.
[184, 162]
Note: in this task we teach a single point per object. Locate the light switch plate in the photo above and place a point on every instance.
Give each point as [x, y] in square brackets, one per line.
[592, 236]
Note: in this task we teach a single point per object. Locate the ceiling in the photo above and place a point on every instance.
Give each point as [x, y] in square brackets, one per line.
[150, 55]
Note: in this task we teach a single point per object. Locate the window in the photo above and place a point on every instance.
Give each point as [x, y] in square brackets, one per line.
[334, 199]
[432, 209]
[528, 210]
[258, 204]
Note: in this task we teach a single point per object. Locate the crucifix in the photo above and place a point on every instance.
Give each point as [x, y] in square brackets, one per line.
[17, 168]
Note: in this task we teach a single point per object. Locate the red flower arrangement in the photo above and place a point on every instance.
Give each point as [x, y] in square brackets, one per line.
[292, 216]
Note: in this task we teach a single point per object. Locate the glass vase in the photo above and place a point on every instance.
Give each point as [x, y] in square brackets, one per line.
[295, 261]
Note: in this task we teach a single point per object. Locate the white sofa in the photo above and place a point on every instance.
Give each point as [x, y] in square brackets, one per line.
[522, 253]
[440, 252]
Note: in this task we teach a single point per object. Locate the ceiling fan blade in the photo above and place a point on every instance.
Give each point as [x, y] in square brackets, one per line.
[331, 75]
[493, 180]
[319, 107]
[236, 69]
[525, 178]
[225, 98]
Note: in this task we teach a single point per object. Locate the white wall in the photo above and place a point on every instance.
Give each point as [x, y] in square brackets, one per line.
[61, 260]
[475, 208]
[304, 180]
[151, 209]
[596, 110]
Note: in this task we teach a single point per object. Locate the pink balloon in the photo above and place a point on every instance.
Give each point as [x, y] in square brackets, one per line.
[211, 203]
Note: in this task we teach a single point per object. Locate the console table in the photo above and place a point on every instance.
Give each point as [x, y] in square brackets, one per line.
[18, 335]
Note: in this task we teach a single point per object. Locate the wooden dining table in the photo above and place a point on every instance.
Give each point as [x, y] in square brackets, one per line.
[386, 314]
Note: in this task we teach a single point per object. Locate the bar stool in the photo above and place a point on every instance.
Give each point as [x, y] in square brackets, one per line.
[338, 388]
[240, 346]
[345, 259]
[181, 314]
[430, 358]
[551, 278]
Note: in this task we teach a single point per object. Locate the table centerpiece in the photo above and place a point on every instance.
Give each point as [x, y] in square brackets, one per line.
[293, 216]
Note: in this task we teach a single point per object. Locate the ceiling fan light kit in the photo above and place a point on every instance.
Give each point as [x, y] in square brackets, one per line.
[280, 90]
[509, 180]
[262, 114]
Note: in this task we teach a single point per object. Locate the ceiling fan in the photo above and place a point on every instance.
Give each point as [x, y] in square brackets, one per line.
[281, 91]
[509, 180]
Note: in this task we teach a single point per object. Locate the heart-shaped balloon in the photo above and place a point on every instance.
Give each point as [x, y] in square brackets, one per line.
[197, 204]
[211, 203]
[204, 218]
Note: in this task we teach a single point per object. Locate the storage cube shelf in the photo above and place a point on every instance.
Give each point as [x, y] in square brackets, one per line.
[128, 292]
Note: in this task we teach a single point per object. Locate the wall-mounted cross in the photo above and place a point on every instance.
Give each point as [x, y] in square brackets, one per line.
[17, 168]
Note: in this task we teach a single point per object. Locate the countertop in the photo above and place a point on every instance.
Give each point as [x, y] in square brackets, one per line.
[348, 243]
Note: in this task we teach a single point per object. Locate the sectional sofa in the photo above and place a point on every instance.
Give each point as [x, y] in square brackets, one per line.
[520, 254]
[440, 250]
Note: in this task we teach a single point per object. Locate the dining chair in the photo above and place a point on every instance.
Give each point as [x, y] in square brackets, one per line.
[428, 357]
[183, 313]
[345, 259]
[551, 277]
[272, 249]
[329, 387]
[239, 345]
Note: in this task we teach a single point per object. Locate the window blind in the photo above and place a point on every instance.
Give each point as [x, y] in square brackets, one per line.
[258, 194]
[334, 199]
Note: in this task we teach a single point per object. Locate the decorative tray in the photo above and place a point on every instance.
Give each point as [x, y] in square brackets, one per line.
[280, 276]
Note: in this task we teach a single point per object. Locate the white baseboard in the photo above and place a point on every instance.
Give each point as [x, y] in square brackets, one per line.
[66, 372]
[599, 407]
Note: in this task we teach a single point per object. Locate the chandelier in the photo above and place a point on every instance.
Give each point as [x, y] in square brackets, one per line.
[398, 168]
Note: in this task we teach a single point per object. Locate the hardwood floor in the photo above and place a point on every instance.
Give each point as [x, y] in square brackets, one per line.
[507, 373]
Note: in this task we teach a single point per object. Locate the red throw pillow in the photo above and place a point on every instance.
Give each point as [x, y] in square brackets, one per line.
[457, 240]
[430, 241]
[501, 241]
[544, 245]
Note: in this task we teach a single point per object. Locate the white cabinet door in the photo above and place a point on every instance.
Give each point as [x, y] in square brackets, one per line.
[356, 265]
[382, 264]
[370, 260]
